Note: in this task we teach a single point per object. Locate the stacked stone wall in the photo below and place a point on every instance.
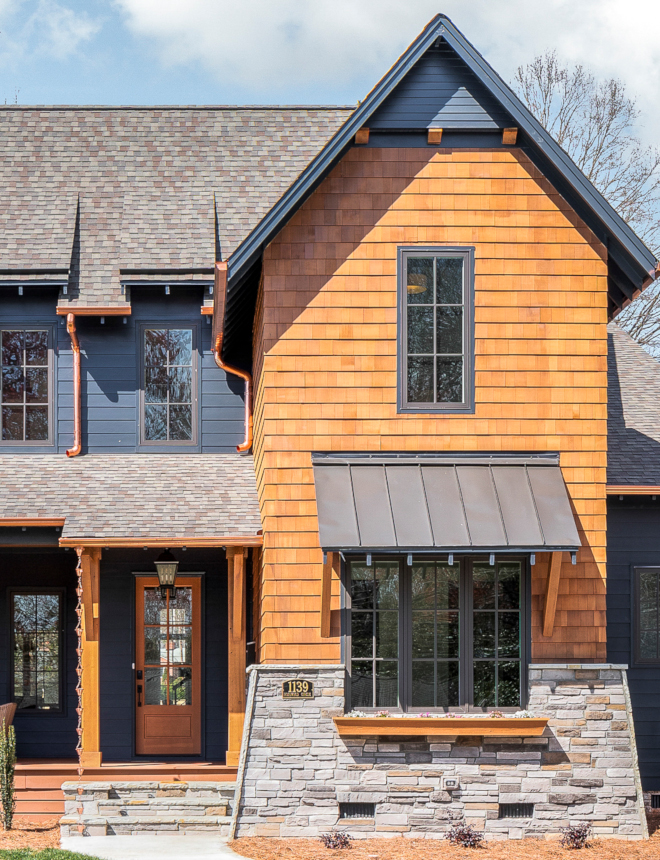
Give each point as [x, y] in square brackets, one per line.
[296, 769]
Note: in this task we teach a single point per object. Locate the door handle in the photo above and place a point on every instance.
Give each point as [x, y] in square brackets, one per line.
[139, 692]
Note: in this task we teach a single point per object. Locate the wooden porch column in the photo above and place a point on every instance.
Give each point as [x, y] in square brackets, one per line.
[90, 563]
[551, 593]
[237, 645]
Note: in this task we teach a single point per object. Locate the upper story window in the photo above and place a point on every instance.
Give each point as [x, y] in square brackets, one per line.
[26, 385]
[647, 615]
[437, 635]
[435, 332]
[36, 631]
[169, 386]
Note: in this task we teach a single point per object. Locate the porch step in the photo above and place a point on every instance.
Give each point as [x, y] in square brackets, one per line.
[127, 808]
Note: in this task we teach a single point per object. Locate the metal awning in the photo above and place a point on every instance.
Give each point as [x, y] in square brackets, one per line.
[467, 504]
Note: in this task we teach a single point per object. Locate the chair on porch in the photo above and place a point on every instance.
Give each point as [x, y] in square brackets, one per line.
[7, 714]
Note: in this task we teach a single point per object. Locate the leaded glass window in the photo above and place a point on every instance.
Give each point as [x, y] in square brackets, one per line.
[436, 331]
[169, 385]
[647, 639]
[36, 627]
[434, 635]
[25, 365]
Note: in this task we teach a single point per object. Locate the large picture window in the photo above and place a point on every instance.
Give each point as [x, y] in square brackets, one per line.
[36, 633]
[435, 332]
[435, 635]
[169, 386]
[26, 385]
[647, 615]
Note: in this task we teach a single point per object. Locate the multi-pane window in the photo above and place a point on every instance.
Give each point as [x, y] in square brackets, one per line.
[168, 647]
[25, 385]
[436, 312]
[169, 390]
[436, 636]
[647, 633]
[36, 628]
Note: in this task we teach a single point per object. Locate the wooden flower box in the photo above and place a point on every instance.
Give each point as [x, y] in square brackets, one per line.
[526, 727]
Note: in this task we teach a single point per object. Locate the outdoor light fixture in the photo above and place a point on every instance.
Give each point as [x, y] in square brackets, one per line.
[166, 565]
[418, 282]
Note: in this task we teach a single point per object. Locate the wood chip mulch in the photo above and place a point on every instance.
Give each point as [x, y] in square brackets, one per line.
[31, 834]
[439, 849]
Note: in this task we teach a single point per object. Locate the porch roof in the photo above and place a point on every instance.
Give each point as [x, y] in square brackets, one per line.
[130, 498]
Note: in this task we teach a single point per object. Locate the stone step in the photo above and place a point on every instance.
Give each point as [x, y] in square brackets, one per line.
[118, 790]
[118, 825]
[151, 806]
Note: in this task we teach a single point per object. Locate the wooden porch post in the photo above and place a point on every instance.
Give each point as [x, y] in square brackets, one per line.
[90, 563]
[237, 645]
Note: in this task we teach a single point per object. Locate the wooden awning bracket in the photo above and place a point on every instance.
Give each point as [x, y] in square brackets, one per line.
[330, 561]
[552, 591]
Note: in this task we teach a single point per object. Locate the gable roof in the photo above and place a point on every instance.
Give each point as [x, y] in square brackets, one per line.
[632, 264]
[98, 190]
[633, 412]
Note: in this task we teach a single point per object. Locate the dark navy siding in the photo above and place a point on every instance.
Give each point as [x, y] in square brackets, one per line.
[440, 91]
[42, 735]
[633, 540]
[110, 377]
[117, 647]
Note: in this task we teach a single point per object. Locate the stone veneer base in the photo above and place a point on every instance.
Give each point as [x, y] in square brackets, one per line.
[295, 769]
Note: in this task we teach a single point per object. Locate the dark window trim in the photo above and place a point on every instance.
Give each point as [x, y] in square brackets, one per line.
[160, 447]
[639, 660]
[467, 252]
[38, 445]
[39, 712]
[465, 652]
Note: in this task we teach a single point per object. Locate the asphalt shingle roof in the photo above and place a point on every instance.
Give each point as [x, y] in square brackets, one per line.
[149, 184]
[633, 426]
[134, 495]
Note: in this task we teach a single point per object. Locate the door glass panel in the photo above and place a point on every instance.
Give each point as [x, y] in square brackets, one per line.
[180, 645]
[155, 686]
[155, 608]
[180, 685]
[155, 645]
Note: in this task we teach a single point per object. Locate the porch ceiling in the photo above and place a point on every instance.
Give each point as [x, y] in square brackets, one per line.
[129, 499]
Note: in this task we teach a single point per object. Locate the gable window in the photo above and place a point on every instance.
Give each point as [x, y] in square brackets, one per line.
[26, 385]
[435, 330]
[36, 631]
[435, 635]
[647, 615]
[169, 386]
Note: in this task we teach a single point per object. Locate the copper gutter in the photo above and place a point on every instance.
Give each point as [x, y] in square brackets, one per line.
[164, 542]
[75, 349]
[219, 307]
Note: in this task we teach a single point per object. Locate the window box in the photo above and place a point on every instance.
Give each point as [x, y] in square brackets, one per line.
[526, 727]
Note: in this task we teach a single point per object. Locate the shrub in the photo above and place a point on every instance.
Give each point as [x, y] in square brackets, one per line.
[576, 836]
[464, 835]
[336, 840]
[7, 767]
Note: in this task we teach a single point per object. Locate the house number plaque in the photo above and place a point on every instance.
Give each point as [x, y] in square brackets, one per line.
[297, 690]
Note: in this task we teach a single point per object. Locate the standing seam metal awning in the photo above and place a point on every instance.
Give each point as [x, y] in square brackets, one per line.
[488, 504]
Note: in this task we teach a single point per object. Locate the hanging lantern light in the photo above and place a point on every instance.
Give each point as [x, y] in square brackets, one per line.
[166, 566]
[418, 282]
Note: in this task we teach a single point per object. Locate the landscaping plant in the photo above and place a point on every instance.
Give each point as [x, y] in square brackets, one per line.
[336, 840]
[464, 835]
[7, 767]
[576, 836]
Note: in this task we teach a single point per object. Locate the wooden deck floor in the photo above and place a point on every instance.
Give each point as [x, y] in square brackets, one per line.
[39, 781]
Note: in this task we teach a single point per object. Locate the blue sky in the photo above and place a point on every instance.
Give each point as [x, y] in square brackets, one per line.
[297, 51]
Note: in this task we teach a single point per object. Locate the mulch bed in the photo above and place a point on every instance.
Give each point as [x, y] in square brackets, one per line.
[438, 849]
[31, 834]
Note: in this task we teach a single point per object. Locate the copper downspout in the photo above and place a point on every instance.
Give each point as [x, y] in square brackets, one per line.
[218, 315]
[75, 349]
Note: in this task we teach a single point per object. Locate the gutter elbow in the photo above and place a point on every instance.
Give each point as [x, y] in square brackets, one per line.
[246, 444]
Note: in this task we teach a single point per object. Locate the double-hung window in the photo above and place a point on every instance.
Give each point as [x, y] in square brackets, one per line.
[37, 653]
[26, 394]
[435, 635]
[436, 362]
[169, 392]
[647, 615]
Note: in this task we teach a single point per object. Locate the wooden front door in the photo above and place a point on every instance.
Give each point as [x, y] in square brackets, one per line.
[168, 668]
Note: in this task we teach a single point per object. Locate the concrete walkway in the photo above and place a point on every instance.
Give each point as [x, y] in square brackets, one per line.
[164, 847]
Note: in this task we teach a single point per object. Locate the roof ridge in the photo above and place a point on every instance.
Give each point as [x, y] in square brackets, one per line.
[175, 107]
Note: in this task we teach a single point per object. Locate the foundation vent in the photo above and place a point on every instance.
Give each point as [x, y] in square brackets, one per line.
[357, 810]
[516, 810]
[655, 801]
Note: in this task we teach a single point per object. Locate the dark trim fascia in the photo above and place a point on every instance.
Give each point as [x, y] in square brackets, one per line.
[28, 272]
[204, 270]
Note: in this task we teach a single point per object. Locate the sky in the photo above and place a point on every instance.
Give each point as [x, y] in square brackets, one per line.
[299, 51]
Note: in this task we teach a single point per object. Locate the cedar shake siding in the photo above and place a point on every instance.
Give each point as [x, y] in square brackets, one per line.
[325, 352]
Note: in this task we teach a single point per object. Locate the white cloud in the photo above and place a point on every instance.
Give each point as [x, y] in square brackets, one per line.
[49, 29]
[268, 47]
